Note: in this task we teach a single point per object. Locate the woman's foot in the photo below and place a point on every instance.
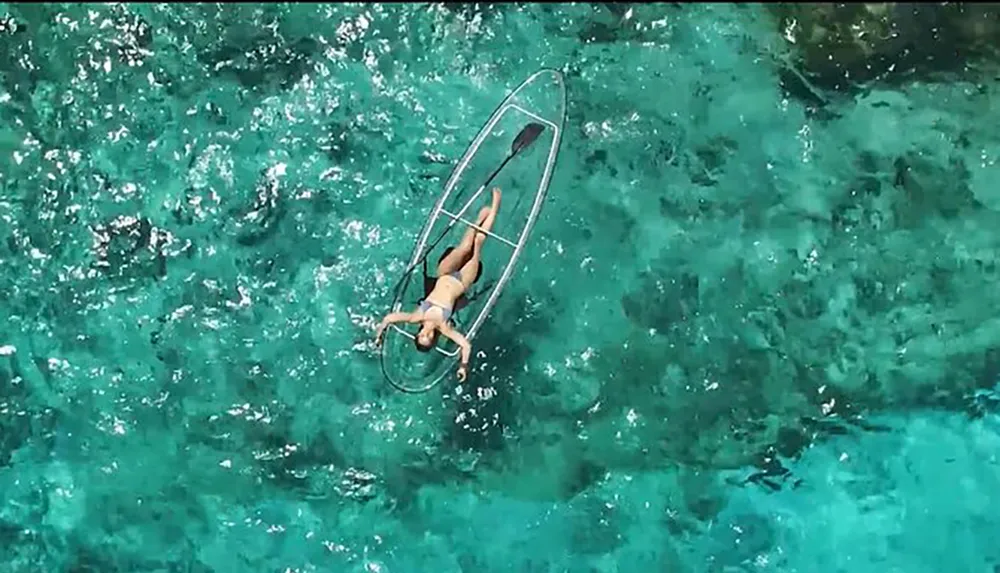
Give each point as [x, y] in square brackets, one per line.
[487, 223]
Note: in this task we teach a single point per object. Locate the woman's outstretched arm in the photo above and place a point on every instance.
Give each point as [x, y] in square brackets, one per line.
[392, 318]
[463, 343]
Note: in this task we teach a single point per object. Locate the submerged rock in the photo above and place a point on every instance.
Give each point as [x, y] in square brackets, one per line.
[840, 45]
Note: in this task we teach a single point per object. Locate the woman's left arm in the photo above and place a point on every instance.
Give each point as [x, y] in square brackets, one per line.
[463, 343]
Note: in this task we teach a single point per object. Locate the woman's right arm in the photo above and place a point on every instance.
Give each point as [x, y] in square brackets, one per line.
[394, 317]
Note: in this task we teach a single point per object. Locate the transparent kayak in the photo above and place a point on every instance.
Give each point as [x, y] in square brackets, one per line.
[515, 150]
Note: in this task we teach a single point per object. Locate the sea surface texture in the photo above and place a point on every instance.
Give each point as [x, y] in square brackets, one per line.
[756, 327]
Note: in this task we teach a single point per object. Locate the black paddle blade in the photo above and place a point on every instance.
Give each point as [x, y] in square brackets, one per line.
[527, 136]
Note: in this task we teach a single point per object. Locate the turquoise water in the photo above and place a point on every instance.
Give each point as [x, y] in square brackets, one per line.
[749, 334]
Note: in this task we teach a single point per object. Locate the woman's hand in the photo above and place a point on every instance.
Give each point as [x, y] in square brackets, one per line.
[380, 333]
[463, 372]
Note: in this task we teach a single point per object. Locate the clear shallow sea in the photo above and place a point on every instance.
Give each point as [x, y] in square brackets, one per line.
[749, 334]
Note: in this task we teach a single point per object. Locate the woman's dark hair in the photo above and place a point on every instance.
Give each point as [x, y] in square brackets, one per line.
[421, 347]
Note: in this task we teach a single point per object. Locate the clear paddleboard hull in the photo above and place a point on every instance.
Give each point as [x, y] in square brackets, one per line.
[524, 180]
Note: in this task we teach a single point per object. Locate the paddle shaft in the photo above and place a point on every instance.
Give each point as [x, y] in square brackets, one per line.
[427, 250]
